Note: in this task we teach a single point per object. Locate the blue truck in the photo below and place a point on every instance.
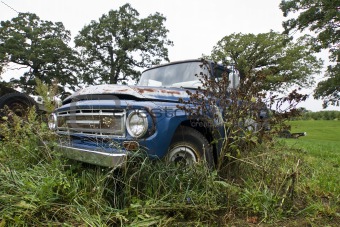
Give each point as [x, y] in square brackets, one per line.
[106, 124]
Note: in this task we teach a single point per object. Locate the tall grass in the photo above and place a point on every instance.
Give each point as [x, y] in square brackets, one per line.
[39, 187]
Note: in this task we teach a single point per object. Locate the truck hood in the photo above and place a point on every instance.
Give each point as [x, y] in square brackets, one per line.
[136, 92]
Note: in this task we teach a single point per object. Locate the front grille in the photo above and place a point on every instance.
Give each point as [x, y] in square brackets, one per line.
[91, 122]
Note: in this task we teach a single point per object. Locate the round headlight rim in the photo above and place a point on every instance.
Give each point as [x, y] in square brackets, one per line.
[145, 123]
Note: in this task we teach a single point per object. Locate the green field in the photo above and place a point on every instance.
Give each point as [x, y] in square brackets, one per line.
[320, 130]
[321, 149]
[322, 143]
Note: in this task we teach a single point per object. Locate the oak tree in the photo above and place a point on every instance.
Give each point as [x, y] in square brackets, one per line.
[115, 46]
[40, 47]
[272, 55]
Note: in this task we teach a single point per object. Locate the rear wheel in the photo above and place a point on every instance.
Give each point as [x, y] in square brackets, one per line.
[188, 147]
[18, 103]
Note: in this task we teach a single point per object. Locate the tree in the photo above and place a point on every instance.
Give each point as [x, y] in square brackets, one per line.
[271, 55]
[39, 46]
[323, 18]
[329, 89]
[119, 42]
[3, 62]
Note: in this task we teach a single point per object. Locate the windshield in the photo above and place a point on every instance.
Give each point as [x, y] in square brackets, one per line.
[186, 75]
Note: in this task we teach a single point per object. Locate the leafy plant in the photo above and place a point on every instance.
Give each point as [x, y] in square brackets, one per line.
[49, 95]
[237, 119]
[24, 139]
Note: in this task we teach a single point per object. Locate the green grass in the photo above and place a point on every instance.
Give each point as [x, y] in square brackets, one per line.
[321, 152]
[322, 143]
[291, 182]
[318, 130]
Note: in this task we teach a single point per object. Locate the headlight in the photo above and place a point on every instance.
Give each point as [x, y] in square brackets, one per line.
[52, 121]
[137, 124]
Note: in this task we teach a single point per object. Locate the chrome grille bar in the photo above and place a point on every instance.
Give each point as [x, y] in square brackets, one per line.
[94, 123]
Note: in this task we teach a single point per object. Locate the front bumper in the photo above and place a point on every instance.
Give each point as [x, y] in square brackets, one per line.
[93, 157]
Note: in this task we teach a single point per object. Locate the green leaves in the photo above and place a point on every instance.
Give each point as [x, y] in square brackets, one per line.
[41, 47]
[119, 43]
[271, 55]
[329, 89]
[321, 17]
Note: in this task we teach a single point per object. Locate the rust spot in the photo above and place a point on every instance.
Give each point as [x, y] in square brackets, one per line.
[170, 92]
[142, 90]
[123, 90]
[152, 90]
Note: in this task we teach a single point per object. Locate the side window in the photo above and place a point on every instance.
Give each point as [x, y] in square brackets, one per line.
[233, 75]
[220, 71]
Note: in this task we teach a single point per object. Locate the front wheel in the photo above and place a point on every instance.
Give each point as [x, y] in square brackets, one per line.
[188, 147]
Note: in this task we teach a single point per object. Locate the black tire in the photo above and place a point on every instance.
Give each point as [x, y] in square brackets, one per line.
[188, 147]
[18, 103]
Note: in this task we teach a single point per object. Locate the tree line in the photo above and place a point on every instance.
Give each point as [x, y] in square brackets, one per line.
[114, 48]
[319, 115]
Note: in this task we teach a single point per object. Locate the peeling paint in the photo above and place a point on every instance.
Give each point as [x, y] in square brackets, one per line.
[140, 92]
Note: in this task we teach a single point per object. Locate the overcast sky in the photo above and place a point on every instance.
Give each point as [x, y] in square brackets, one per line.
[194, 26]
